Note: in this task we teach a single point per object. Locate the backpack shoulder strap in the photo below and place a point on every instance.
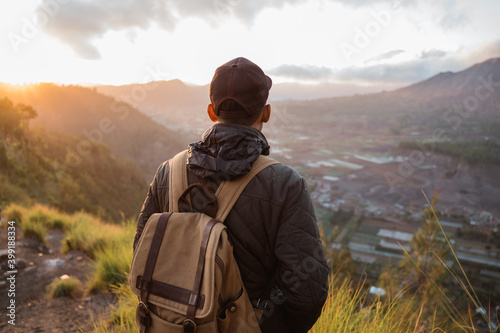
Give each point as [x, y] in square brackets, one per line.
[177, 179]
[229, 191]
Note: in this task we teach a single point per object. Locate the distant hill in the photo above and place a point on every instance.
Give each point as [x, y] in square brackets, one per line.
[442, 101]
[182, 107]
[173, 94]
[449, 88]
[167, 95]
[457, 84]
[86, 113]
[173, 104]
[436, 103]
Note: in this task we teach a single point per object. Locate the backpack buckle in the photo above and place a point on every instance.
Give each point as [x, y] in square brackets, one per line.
[143, 317]
[189, 326]
[145, 307]
[261, 304]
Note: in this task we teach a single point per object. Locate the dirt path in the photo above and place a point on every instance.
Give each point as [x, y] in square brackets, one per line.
[37, 267]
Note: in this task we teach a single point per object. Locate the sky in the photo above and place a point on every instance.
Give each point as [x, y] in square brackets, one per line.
[357, 42]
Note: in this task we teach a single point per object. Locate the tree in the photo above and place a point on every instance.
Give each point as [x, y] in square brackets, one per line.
[27, 112]
[390, 279]
[14, 119]
[4, 163]
[488, 248]
[424, 264]
[9, 119]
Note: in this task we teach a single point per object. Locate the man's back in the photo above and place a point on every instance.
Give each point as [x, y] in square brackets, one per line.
[272, 226]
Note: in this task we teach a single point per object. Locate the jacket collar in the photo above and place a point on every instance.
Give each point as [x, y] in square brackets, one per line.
[226, 150]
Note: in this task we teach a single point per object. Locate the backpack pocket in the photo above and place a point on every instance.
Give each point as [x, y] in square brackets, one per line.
[160, 325]
[231, 320]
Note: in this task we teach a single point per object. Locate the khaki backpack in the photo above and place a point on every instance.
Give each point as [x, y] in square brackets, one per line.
[183, 269]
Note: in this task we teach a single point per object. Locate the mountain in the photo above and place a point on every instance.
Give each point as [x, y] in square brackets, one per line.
[177, 106]
[425, 106]
[171, 103]
[462, 83]
[177, 94]
[94, 117]
[296, 91]
[449, 101]
[173, 94]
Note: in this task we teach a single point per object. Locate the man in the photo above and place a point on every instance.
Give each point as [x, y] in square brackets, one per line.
[272, 226]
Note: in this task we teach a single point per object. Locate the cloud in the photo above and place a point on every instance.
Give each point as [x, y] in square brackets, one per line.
[78, 23]
[407, 72]
[433, 53]
[454, 18]
[483, 52]
[305, 72]
[384, 56]
[392, 4]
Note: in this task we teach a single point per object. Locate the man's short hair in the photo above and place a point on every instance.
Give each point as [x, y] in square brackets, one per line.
[232, 105]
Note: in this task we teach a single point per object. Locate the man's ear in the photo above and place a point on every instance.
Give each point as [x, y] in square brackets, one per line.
[211, 114]
[266, 113]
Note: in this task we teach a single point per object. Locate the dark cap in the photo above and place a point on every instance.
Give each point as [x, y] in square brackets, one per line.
[242, 81]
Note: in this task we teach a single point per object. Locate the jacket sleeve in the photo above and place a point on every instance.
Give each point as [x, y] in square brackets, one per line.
[303, 270]
[151, 205]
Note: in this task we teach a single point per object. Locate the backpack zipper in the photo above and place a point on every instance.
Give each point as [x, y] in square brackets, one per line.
[219, 263]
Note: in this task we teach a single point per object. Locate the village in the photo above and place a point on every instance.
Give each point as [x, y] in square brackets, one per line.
[356, 209]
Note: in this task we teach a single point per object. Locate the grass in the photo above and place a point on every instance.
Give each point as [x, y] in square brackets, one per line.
[51, 218]
[69, 287]
[35, 220]
[89, 234]
[349, 306]
[34, 230]
[121, 315]
[14, 213]
[112, 262]
[459, 319]
[108, 245]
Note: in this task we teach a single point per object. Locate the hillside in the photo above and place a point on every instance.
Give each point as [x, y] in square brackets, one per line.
[162, 95]
[345, 147]
[174, 104]
[95, 256]
[86, 113]
[47, 172]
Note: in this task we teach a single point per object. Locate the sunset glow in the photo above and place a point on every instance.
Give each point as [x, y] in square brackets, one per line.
[88, 42]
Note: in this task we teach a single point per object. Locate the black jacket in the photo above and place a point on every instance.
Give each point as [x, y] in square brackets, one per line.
[272, 225]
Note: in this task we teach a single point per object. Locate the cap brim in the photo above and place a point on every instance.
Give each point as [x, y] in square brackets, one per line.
[269, 82]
